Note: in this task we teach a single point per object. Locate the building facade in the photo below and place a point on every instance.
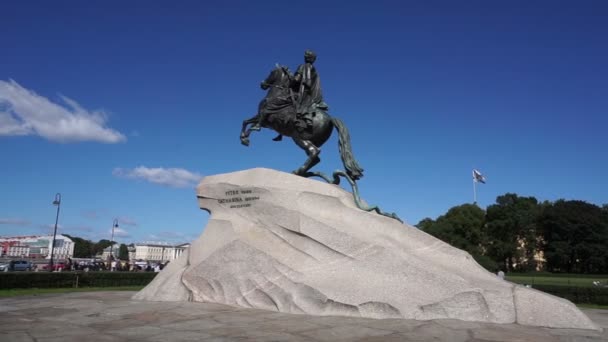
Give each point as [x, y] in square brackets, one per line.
[159, 252]
[106, 252]
[37, 246]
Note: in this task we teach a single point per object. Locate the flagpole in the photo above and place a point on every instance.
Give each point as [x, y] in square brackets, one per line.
[474, 191]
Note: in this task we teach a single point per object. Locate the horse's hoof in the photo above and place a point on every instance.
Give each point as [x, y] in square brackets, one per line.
[245, 142]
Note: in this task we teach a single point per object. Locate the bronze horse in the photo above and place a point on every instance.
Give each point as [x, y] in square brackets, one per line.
[308, 131]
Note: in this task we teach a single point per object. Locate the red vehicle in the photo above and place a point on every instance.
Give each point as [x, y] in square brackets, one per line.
[57, 266]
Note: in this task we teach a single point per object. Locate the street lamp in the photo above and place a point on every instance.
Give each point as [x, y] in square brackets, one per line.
[114, 225]
[56, 202]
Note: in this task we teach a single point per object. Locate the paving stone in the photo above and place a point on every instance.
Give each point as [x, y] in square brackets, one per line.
[15, 325]
[81, 338]
[511, 336]
[458, 325]
[190, 311]
[116, 323]
[83, 317]
[599, 316]
[332, 321]
[577, 332]
[344, 333]
[42, 312]
[168, 336]
[200, 324]
[397, 325]
[141, 332]
[115, 318]
[130, 309]
[157, 317]
[288, 326]
[577, 339]
[7, 307]
[234, 318]
[51, 329]
[260, 335]
[436, 332]
[254, 334]
[394, 337]
[213, 307]
[16, 337]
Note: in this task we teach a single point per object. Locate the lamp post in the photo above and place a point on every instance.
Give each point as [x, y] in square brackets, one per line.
[56, 202]
[114, 225]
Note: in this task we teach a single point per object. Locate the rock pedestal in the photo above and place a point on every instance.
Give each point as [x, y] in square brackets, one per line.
[281, 242]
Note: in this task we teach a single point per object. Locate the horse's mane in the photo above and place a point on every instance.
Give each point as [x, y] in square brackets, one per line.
[285, 68]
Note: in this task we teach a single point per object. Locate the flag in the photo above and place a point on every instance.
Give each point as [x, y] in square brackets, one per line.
[478, 177]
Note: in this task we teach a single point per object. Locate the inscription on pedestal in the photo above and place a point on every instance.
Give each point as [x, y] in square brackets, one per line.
[241, 198]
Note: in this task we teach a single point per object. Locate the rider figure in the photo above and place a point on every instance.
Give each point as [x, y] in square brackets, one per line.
[307, 84]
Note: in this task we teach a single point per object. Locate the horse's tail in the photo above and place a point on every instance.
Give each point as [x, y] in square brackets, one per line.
[350, 164]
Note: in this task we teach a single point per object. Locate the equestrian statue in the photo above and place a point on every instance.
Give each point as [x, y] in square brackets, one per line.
[294, 107]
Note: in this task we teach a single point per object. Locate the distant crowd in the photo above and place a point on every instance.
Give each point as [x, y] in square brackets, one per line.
[113, 266]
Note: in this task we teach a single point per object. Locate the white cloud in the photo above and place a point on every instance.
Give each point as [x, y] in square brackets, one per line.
[50, 228]
[23, 112]
[171, 237]
[86, 229]
[127, 221]
[90, 214]
[119, 232]
[14, 221]
[174, 177]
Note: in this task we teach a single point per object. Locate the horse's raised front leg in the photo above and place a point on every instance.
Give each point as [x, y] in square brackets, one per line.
[312, 152]
[245, 132]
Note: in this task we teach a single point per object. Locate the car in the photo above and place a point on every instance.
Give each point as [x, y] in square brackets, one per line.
[16, 265]
[60, 266]
[56, 266]
[22, 265]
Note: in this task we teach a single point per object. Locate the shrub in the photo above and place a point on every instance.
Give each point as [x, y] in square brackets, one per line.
[578, 295]
[13, 280]
[558, 275]
[487, 263]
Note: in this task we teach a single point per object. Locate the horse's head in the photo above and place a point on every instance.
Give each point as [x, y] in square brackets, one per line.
[279, 76]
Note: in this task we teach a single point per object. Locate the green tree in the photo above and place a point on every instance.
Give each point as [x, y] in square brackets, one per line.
[425, 224]
[461, 227]
[575, 236]
[511, 231]
[82, 248]
[123, 252]
[100, 245]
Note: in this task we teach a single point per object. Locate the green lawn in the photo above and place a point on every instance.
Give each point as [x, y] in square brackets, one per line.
[549, 280]
[593, 306]
[35, 292]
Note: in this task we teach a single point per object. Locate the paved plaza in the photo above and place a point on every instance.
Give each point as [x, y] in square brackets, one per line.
[113, 316]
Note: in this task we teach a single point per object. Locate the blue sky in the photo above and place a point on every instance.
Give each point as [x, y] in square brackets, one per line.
[429, 90]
